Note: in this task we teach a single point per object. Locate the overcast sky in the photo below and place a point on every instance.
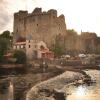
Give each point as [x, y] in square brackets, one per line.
[80, 14]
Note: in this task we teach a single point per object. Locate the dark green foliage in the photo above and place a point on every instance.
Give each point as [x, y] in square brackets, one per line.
[6, 34]
[4, 45]
[71, 32]
[57, 50]
[20, 56]
[58, 47]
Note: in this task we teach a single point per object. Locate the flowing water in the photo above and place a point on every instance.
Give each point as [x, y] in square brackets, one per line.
[86, 92]
[82, 92]
[3, 94]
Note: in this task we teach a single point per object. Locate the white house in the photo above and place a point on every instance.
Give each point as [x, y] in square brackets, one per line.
[33, 49]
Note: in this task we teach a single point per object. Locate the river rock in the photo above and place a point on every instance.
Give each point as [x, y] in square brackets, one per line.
[57, 82]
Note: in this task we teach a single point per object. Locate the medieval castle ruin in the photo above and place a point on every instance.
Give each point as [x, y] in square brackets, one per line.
[49, 27]
[41, 26]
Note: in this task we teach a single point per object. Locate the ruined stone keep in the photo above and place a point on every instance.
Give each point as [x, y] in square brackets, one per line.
[42, 26]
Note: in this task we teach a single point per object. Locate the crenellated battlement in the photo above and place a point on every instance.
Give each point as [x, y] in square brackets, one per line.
[36, 11]
[21, 14]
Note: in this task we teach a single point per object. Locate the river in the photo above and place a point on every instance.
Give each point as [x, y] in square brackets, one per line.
[6, 91]
[86, 92]
[3, 94]
[82, 92]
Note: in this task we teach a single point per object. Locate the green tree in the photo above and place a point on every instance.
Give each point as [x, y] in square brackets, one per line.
[71, 41]
[3, 47]
[71, 32]
[20, 56]
[57, 50]
[7, 35]
[58, 47]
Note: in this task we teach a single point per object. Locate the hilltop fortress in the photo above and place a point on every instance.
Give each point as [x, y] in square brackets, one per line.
[41, 26]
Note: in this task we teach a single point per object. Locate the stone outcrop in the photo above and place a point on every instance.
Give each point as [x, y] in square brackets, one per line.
[57, 83]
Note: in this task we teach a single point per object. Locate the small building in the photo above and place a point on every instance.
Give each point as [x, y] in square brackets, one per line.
[43, 51]
[19, 45]
[34, 49]
[89, 60]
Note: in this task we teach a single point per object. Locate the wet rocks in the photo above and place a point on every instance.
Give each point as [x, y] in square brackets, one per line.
[46, 88]
[59, 95]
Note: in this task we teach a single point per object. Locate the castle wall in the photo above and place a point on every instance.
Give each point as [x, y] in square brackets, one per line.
[43, 26]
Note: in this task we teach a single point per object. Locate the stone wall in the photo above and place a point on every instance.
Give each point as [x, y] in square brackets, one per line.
[43, 26]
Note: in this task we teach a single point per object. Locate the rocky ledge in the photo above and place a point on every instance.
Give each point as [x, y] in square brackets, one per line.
[53, 88]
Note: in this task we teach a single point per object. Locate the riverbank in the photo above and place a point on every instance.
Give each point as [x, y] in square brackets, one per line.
[24, 82]
[56, 83]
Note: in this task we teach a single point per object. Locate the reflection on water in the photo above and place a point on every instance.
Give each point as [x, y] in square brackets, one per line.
[3, 94]
[6, 91]
[84, 92]
[80, 91]
[10, 91]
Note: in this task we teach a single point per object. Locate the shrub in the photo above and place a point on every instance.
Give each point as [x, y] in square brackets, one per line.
[20, 56]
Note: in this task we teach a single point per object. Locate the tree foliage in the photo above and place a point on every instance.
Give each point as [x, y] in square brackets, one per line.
[3, 46]
[20, 56]
[71, 32]
[58, 47]
[6, 34]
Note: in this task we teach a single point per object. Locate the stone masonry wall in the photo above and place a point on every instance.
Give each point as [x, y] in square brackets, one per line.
[43, 26]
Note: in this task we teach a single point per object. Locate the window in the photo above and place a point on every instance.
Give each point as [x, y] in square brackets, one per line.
[53, 16]
[21, 46]
[37, 24]
[29, 46]
[17, 31]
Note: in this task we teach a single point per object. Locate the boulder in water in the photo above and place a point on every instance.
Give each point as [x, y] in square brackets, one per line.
[59, 95]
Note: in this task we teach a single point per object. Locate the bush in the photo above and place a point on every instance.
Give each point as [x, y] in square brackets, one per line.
[20, 56]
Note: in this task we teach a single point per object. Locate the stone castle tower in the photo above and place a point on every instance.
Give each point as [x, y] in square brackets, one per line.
[42, 26]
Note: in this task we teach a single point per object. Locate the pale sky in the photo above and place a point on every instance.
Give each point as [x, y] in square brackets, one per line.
[79, 14]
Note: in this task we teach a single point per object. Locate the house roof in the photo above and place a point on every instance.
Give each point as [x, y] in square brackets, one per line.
[20, 43]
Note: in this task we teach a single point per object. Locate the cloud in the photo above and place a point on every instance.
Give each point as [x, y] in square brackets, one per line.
[79, 14]
[4, 15]
[7, 9]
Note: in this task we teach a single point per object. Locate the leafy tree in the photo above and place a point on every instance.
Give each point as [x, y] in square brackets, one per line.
[58, 47]
[71, 32]
[3, 46]
[5, 34]
[20, 56]
[71, 39]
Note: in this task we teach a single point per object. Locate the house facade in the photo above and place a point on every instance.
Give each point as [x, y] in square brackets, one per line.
[34, 49]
